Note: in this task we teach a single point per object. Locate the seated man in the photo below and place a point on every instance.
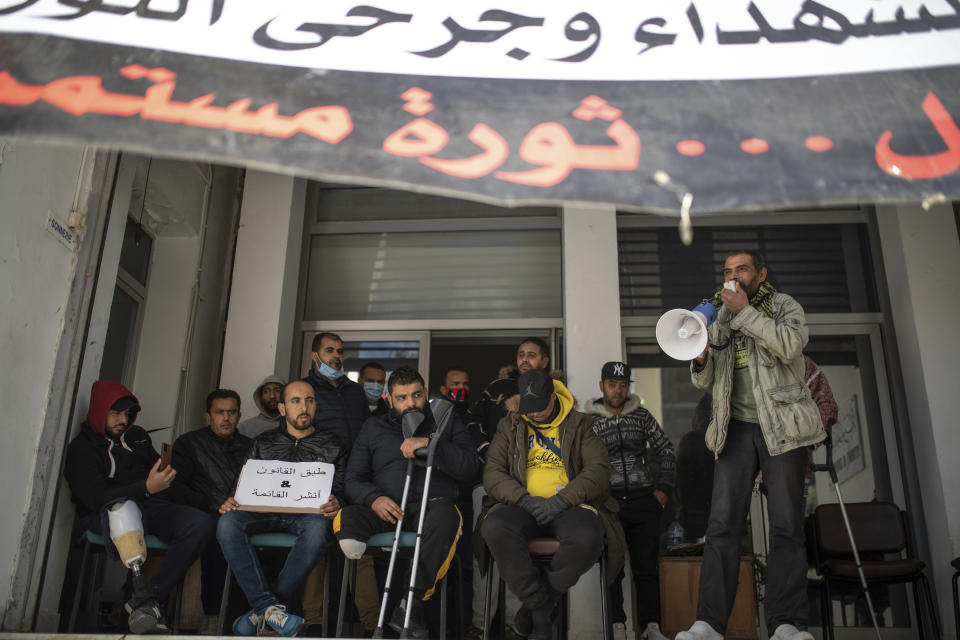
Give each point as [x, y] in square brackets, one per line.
[549, 476]
[375, 479]
[208, 462]
[298, 440]
[120, 492]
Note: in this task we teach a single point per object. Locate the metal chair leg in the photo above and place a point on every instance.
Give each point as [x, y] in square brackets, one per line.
[502, 606]
[956, 603]
[932, 606]
[325, 606]
[827, 610]
[443, 608]
[458, 594]
[488, 597]
[604, 604]
[78, 594]
[343, 596]
[177, 597]
[918, 610]
[224, 603]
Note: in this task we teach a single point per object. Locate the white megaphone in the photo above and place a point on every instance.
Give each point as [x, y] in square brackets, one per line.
[682, 334]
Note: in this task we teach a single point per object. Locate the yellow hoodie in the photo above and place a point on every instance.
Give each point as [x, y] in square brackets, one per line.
[546, 474]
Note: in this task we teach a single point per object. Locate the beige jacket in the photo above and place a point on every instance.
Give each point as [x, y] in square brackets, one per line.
[787, 414]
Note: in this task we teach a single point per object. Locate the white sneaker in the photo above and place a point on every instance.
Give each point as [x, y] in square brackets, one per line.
[652, 632]
[790, 632]
[619, 631]
[699, 631]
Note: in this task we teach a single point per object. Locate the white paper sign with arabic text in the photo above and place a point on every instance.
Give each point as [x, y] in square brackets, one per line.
[275, 486]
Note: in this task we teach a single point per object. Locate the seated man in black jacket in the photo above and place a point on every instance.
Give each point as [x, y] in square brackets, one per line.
[112, 461]
[208, 462]
[375, 478]
[297, 440]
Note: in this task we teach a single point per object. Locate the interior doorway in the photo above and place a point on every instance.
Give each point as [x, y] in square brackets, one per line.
[482, 354]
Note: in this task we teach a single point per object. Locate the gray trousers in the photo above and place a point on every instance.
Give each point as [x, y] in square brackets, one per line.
[743, 455]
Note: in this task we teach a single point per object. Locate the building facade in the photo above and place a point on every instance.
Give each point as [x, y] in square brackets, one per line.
[176, 277]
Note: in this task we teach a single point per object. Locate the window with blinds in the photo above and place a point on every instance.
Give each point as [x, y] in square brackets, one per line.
[826, 268]
[436, 275]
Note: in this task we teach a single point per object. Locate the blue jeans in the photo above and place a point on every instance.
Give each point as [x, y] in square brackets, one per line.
[744, 454]
[234, 529]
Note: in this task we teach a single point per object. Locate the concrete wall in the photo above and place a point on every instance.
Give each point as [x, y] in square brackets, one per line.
[163, 334]
[921, 255]
[36, 272]
[261, 318]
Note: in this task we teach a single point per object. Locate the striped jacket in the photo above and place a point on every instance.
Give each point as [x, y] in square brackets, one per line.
[630, 437]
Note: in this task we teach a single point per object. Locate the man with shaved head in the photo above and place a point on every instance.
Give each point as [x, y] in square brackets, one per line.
[296, 440]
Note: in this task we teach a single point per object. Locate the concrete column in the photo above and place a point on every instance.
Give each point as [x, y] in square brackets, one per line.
[591, 296]
[591, 314]
[260, 319]
[921, 255]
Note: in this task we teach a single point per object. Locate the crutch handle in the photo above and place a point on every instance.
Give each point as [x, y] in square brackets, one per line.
[828, 465]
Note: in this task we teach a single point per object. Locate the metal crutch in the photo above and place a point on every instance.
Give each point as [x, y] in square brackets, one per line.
[409, 425]
[829, 467]
[442, 413]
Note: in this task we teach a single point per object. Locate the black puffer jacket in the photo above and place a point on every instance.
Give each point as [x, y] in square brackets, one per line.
[319, 446]
[377, 468]
[341, 406]
[207, 467]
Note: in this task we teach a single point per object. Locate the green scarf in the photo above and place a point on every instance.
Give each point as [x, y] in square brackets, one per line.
[762, 300]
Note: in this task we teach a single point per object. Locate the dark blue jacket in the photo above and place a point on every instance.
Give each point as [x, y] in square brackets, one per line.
[341, 406]
[377, 468]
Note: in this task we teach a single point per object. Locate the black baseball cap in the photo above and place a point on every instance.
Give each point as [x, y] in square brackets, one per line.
[125, 404]
[535, 387]
[615, 370]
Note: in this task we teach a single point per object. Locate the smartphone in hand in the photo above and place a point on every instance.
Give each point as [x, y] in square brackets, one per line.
[165, 455]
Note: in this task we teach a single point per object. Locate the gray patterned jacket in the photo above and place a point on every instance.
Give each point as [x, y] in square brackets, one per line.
[630, 437]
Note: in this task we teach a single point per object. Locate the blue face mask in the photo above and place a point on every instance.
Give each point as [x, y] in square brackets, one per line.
[329, 372]
[373, 391]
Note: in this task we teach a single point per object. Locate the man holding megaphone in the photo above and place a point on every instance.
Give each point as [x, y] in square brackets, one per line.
[763, 419]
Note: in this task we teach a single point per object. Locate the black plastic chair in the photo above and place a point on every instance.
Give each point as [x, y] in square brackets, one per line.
[878, 529]
[542, 550]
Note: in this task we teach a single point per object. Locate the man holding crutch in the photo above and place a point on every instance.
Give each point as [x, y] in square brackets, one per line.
[763, 420]
[375, 479]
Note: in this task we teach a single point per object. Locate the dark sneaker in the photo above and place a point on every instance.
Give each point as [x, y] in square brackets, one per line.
[523, 622]
[417, 628]
[145, 617]
[285, 624]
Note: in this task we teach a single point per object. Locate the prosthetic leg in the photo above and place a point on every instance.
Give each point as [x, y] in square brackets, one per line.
[126, 532]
